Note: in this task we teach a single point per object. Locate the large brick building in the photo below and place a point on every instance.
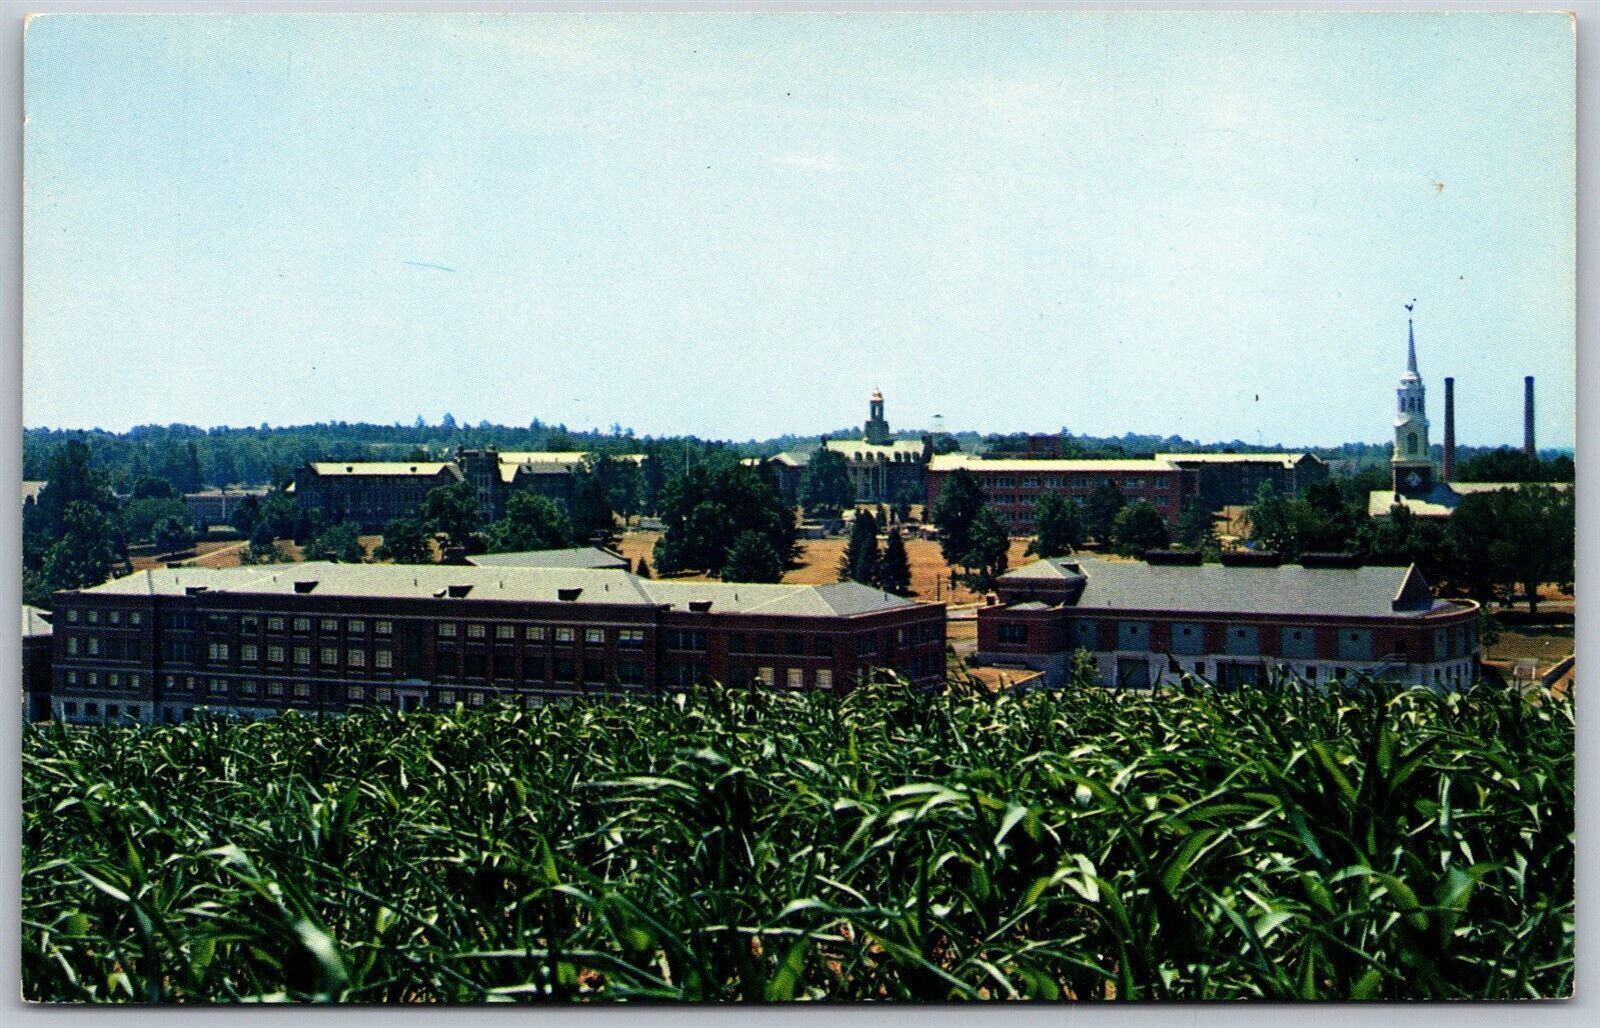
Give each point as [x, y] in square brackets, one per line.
[1224, 479]
[373, 493]
[323, 637]
[1142, 623]
[1012, 487]
[36, 663]
[882, 469]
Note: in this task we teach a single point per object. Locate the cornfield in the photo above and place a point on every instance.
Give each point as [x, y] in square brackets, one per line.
[1277, 843]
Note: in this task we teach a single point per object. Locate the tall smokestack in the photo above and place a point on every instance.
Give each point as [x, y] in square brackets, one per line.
[1527, 418]
[1449, 468]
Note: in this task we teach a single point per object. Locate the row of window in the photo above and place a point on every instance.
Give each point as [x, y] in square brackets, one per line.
[543, 633]
[113, 647]
[108, 680]
[1073, 483]
[112, 617]
[1241, 640]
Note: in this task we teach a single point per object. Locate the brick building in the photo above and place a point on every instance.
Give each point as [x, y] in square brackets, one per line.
[1227, 479]
[322, 637]
[36, 663]
[1144, 622]
[1013, 486]
[882, 468]
[216, 506]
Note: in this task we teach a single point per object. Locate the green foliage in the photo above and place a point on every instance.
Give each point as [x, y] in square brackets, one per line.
[861, 555]
[340, 543]
[825, 484]
[751, 558]
[1510, 465]
[172, 534]
[1515, 536]
[84, 554]
[1139, 527]
[532, 522]
[988, 550]
[140, 517]
[1057, 526]
[281, 515]
[593, 516]
[708, 507]
[1197, 529]
[957, 508]
[1085, 843]
[149, 487]
[1100, 511]
[245, 515]
[453, 510]
[404, 542]
[262, 549]
[894, 568]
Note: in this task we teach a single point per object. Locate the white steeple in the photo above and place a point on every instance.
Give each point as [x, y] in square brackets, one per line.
[1412, 458]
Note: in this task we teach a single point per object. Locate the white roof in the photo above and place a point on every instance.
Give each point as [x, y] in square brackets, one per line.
[977, 465]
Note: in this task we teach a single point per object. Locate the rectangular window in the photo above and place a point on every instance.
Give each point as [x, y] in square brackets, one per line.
[505, 663]
[630, 672]
[565, 635]
[594, 670]
[274, 654]
[275, 689]
[766, 676]
[330, 655]
[135, 618]
[566, 669]
[217, 686]
[249, 651]
[355, 658]
[72, 616]
[218, 651]
[474, 631]
[866, 646]
[684, 639]
[1013, 635]
[383, 659]
[475, 699]
[72, 645]
[72, 678]
[382, 695]
[764, 644]
[505, 631]
[248, 687]
[474, 664]
[133, 681]
[447, 697]
[249, 624]
[302, 624]
[356, 693]
[533, 666]
[796, 678]
[383, 627]
[794, 645]
[824, 678]
[630, 637]
[594, 636]
[356, 626]
[446, 630]
[330, 624]
[274, 624]
[535, 633]
[1311, 673]
[445, 663]
[94, 617]
[114, 617]
[114, 680]
[94, 646]
[302, 690]
[736, 642]
[822, 646]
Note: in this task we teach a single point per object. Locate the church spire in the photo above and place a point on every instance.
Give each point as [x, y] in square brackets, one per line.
[1411, 340]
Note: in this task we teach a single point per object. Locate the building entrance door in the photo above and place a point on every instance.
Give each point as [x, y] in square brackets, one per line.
[1133, 673]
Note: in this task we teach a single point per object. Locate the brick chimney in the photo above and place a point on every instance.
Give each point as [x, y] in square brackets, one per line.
[1448, 470]
[1527, 418]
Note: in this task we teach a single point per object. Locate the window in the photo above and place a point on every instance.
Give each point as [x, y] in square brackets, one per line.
[72, 678]
[382, 695]
[684, 639]
[1311, 673]
[330, 655]
[248, 687]
[446, 630]
[94, 646]
[94, 617]
[796, 678]
[594, 670]
[274, 624]
[533, 666]
[249, 651]
[355, 657]
[330, 624]
[822, 646]
[794, 645]
[504, 663]
[475, 698]
[824, 678]
[302, 690]
[356, 693]
[275, 689]
[594, 636]
[565, 635]
[866, 645]
[630, 672]
[473, 664]
[474, 631]
[566, 669]
[447, 697]
[766, 676]
[1200, 668]
[274, 654]
[91, 709]
[72, 645]
[249, 624]
[217, 686]
[72, 616]
[630, 637]
[764, 644]
[736, 642]
[445, 663]
[218, 651]
[356, 625]
[72, 710]
[302, 624]
[383, 627]
[535, 633]
[505, 631]
[135, 618]
[114, 617]
[1013, 635]
[133, 681]
[383, 659]
[114, 680]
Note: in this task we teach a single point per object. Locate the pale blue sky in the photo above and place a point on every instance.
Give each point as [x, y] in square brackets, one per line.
[739, 226]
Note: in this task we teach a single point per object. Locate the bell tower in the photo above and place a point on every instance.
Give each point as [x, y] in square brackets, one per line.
[1412, 461]
[877, 429]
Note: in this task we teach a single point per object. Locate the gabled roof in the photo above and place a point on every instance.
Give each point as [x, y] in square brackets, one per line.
[1442, 501]
[1217, 589]
[839, 599]
[34, 621]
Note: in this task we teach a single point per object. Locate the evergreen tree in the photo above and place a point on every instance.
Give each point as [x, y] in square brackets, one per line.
[592, 516]
[84, 555]
[894, 569]
[1197, 530]
[172, 534]
[245, 515]
[989, 547]
[404, 542]
[958, 506]
[752, 558]
[861, 557]
[1139, 527]
[262, 548]
[1100, 511]
[1057, 526]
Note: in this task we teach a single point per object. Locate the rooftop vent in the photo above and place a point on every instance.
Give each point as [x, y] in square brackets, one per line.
[305, 586]
[193, 590]
[348, 468]
[1251, 559]
[1330, 560]
[456, 592]
[413, 469]
[699, 606]
[568, 595]
[1186, 557]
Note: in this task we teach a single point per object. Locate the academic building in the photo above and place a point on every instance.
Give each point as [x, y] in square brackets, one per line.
[373, 493]
[326, 638]
[883, 469]
[1143, 623]
[1013, 486]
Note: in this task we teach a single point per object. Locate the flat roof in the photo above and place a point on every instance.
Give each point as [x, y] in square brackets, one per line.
[1368, 591]
[572, 557]
[1284, 459]
[977, 465]
[516, 584]
[380, 467]
[1442, 501]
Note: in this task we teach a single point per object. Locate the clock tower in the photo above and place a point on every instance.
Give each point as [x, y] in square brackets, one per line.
[1412, 462]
